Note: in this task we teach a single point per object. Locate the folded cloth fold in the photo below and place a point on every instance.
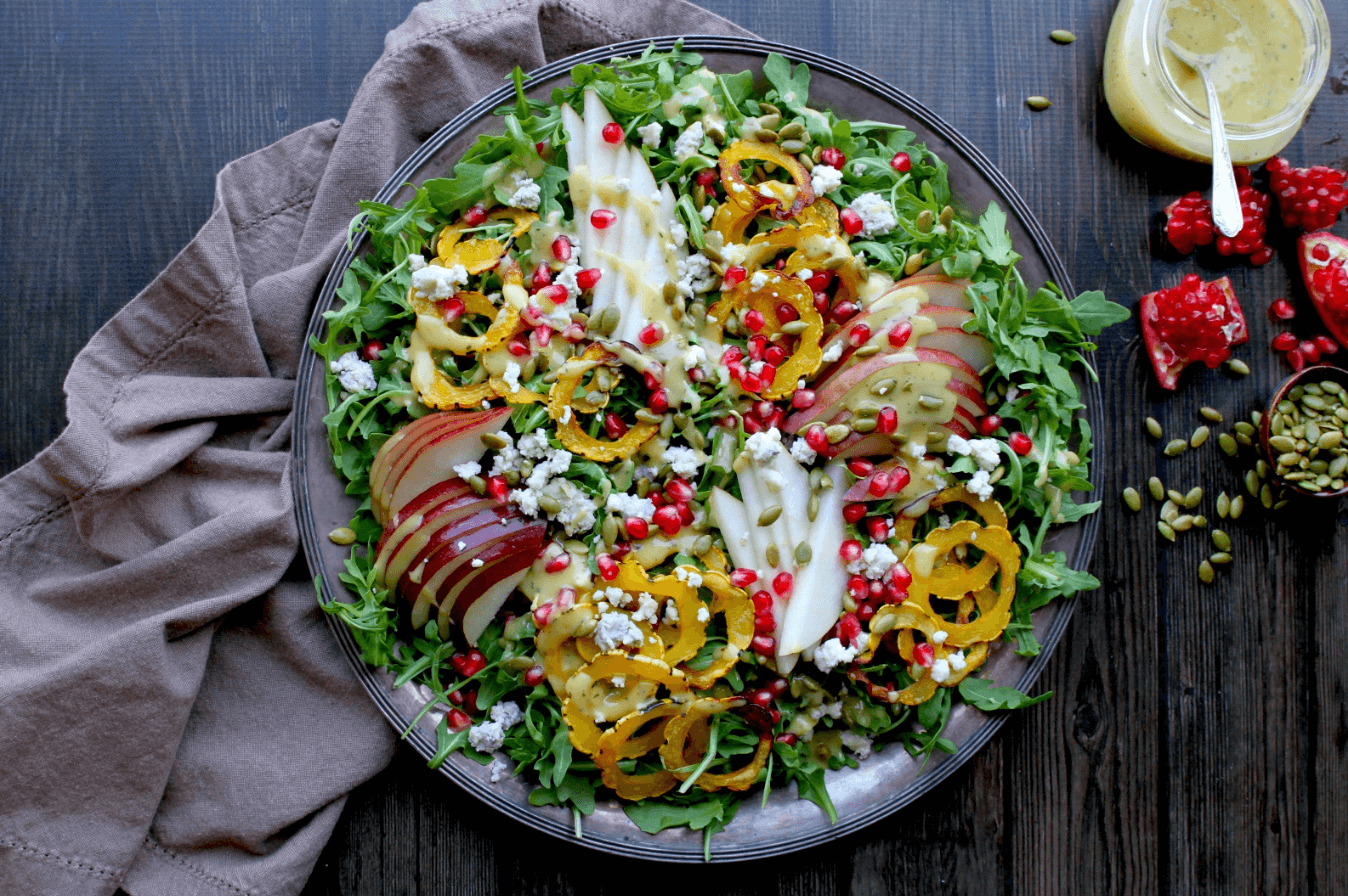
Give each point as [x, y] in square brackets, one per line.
[175, 717]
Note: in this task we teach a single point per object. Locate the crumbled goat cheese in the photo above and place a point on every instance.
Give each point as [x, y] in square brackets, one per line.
[957, 661]
[940, 671]
[758, 280]
[696, 275]
[683, 461]
[985, 452]
[648, 609]
[981, 485]
[436, 282]
[498, 769]
[689, 141]
[703, 614]
[487, 737]
[943, 521]
[507, 457]
[477, 563]
[354, 374]
[832, 653]
[803, 453]
[678, 233]
[577, 508]
[507, 714]
[616, 630]
[939, 636]
[671, 613]
[874, 562]
[650, 134]
[832, 710]
[534, 444]
[527, 194]
[763, 446]
[631, 506]
[877, 215]
[824, 179]
[916, 450]
[415, 262]
[688, 575]
[467, 470]
[707, 211]
[512, 376]
[694, 358]
[857, 743]
[833, 353]
[734, 254]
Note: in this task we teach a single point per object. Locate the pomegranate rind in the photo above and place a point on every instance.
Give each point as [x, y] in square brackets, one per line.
[1166, 360]
[1330, 304]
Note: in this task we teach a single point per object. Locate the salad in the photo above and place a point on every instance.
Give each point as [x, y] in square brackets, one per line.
[702, 444]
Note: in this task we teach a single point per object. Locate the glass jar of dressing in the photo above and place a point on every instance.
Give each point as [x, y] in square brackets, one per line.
[1271, 57]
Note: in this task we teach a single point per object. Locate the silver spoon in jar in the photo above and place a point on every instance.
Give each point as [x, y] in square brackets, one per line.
[1226, 212]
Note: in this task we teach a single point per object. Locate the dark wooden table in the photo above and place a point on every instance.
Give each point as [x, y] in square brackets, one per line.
[1196, 742]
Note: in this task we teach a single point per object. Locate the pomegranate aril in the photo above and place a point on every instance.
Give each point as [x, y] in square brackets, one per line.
[614, 426]
[844, 310]
[858, 587]
[1296, 359]
[878, 486]
[887, 421]
[900, 576]
[612, 132]
[877, 527]
[853, 513]
[668, 519]
[786, 312]
[558, 563]
[474, 216]
[849, 628]
[452, 309]
[761, 698]
[742, 577]
[851, 222]
[651, 334]
[519, 347]
[680, 490]
[757, 346]
[561, 249]
[498, 488]
[850, 551]
[764, 645]
[833, 157]
[803, 399]
[858, 335]
[659, 401]
[705, 178]
[1325, 344]
[1310, 351]
[761, 600]
[781, 583]
[371, 350]
[457, 720]
[733, 275]
[860, 467]
[764, 622]
[924, 654]
[753, 319]
[543, 615]
[534, 675]
[1284, 341]
[1309, 198]
[1020, 443]
[1281, 309]
[901, 162]
[602, 219]
[818, 442]
[636, 527]
[587, 278]
[775, 355]
[607, 566]
[900, 334]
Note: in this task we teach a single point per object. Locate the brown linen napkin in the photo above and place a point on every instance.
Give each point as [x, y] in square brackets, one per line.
[175, 717]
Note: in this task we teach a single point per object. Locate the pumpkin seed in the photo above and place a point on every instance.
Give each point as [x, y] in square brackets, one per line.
[794, 147]
[766, 135]
[1166, 532]
[1206, 572]
[803, 553]
[793, 130]
[1212, 414]
[1132, 499]
[1182, 523]
[915, 262]
[1176, 497]
[1199, 437]
[930, 402]
[1176, 447]
[770, 515]
[1338, 466]
[512, 477]
[1237, 506]
[825, 482]
[1156, 488]
[836, 432]
[1154, 428]
[343, 535]
[884, 624]
[1193, 496]
[1237, 367]
[1315, 402]
[494, 440]
[867, 350]
[773, 555]
[702, 545]
[1061, 36]
[1281, 444]
[794, 327]
[1223, 505]
[1266, 497]
[477, 484]
[1038, 103]
[549, 504]
[865, 425]
[812, 508]
[1200, 521]
[1227, 443]
[1252, 482]
[1220, 540]
[1169, 511]
[924, 220]
[1329, 440]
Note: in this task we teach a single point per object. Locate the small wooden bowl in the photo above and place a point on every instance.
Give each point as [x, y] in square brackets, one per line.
[1316, 374]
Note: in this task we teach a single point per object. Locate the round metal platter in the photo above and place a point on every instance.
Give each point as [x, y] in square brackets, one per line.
[887, 781]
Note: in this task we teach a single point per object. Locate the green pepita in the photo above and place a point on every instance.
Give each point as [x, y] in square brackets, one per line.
[804, 553]
[1182, 523]
[1154, 428]
[1038, 103]
[770, 515]
[773, 555]
[1176, 447]
[1166, 531]
[1211, 414]
[1157, 488]
[1132, 499]
[1223, 505]
[1220, 540]
[1238, 367]
[1199, 437]
[1205, 572]
[1227, 443]
[1061, 36]
[343, 535]
[1237, 506]
[1176, 496]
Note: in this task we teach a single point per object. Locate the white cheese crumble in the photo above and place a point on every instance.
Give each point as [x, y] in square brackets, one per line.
[703, 614]
[650, 134]
[688, 575]
[512, 376]
[631, 506]
[957, 661]
[477, 563]
[981, 485]
[436, 282]
[758, 280]
[527, 194]
[707, 212]
[803, 453]
[507, 714]
[833, 353]
[498, 770]
[874, 562]
[877, 215]
[916, 450]
[683, 461]
[671, 613]
[467, 470]
[857, 743]
[648, 609]
[616, 630]
[832, 653]
[689, 141]
[678, 233]
[939, 636]
[354, 374]
[734, 254]
[487, 737]
[940, 671]
[985, 452]
[696, 275]
[415, 262]
[763, 446]
[824, 179]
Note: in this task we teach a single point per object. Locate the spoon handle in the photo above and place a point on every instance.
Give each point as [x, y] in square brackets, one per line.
[1226, 211]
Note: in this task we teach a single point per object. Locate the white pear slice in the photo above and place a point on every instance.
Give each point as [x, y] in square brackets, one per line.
[820, 583]
[601, 155]
[728, 513]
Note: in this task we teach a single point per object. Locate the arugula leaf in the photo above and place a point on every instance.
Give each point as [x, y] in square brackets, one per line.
[986, 696]
[1094, 312]
[793, 87]
[993, 239]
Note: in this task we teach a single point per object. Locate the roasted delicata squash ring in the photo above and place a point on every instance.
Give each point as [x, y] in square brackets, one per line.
[675, 754]
[505, 320]
[990, 511]
[434, 388]
[623, 742]
[776, 290]
[692, 632]
[556, 644]
[750, 197]
[995, 542]
[583, 713]
[569, 432]
[652, 645]
[478, 255]
[734, 605]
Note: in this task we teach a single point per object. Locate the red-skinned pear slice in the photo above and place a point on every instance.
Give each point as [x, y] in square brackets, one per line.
[440, 573]
[434, 460]
[469, 596]
[483, 610]
[406, 451]
[409, 518]
[469, 536]
[816, 598]
[438, 525]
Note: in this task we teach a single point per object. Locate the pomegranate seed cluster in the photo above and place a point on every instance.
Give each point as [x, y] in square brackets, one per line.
[1309, 198]
[1193, 318]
